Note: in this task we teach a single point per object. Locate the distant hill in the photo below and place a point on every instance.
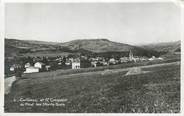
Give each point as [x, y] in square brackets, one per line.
[86, 46]
[97, 45]
[104, 46]
[29, 43]
[14, 47]
[165, 47]
[41, 42]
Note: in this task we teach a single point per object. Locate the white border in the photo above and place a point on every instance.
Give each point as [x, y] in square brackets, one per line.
[179, 3]
[1, 57]
[61, 1]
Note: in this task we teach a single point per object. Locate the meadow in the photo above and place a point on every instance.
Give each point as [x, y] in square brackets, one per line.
[102, 91]
[92, 69]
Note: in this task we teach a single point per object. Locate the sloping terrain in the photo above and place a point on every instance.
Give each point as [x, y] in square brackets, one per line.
[169, 50]
[157, 91]
[14, 51]
[165, 47]
[15, 47]
[98, 46]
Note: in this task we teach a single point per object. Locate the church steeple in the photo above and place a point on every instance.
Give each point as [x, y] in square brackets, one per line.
[131, 55]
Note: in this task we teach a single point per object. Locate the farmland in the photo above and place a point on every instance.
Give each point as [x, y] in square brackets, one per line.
[102, 90]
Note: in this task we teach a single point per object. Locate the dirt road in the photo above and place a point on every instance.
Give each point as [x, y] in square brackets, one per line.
[8, 83]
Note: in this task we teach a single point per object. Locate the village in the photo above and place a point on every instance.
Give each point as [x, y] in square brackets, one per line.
[91, 57]
[43, 64]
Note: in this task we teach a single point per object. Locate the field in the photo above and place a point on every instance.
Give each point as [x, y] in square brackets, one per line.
[91, 69]
[103, 91]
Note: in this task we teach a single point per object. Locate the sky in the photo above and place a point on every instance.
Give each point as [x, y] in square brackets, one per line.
[132, 23]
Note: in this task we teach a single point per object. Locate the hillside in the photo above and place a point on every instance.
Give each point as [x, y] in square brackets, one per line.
[165, 47]
[97, 46]
[29, 44]
[14, 51]
[14, 47]
[105, 47]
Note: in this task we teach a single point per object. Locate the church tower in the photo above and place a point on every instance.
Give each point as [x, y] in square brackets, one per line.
[131, 57]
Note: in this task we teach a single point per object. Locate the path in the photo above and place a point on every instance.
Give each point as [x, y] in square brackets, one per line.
[8, 83]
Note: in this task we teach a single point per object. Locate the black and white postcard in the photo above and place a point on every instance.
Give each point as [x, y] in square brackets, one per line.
[92, 57]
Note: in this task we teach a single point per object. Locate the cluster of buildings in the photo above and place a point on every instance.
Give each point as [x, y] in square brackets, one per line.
[112, 61]
[154, 58]
[38, 66]
[28, 67]
[75, 63]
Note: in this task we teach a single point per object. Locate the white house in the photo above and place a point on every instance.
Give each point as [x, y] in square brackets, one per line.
[12, 68]
[27, 65]
[93, 63]
[39, 65]
[75, 65]
[67, 63]
[31, 69]
[152, 58]
[112, 61]
[160, 58]
[59, 63]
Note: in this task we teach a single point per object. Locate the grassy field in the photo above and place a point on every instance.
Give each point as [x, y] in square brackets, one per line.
[91, 69]
[103, 91]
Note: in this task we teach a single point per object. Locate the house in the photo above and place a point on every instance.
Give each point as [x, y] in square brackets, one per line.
[160, 58]
[71, 59]
[136, 58]
[27, 65]
[59, 59]
[60, 63]
[104, 63]
[84, 57]
[47, 67]
[93, 63]
[12, 68]
[143, 59]
[92, 59]
[15, 66]
[123, 59]
[112, 61]
[152, 58]
[31, 69]
[68, 62]
[76, 63]
[39, 65]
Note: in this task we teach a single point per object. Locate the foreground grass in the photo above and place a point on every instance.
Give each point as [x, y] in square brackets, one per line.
[156, 91]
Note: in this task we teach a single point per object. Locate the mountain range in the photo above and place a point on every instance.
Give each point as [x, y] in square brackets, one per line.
[14, 47]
